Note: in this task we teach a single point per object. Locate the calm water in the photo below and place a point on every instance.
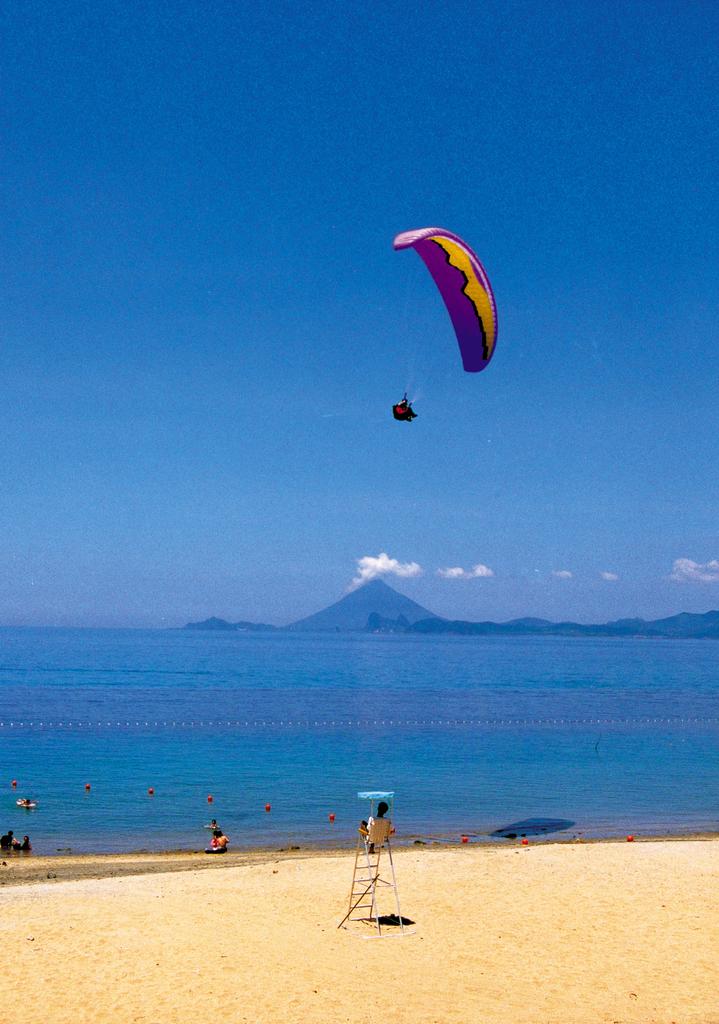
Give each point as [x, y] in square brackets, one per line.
[473, 734]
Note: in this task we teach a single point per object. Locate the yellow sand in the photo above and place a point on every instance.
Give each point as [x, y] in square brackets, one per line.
[612, 932]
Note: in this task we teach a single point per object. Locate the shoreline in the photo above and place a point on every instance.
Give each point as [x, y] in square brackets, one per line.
[18, 869]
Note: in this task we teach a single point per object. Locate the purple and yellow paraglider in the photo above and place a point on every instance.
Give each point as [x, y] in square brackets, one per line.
[465, 288]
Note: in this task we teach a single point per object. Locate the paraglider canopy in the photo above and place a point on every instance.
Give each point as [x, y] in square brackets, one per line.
[465, 288]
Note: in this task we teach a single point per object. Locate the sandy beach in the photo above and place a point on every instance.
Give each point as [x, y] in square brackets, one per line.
[572, 933]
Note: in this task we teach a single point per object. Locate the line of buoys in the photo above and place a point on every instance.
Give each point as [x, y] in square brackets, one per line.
[268, 807]
[363, 722]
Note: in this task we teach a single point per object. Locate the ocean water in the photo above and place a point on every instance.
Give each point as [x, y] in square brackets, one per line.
[472, 733]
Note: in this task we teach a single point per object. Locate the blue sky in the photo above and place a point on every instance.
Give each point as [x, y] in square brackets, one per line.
[204, 324]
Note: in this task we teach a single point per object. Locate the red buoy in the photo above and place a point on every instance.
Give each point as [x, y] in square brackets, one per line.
[87, 787]
[14, 783]
[465, 839]
[151, 791]
[210, 798]
[630, 839]
[268, 807]
[331, 817]
[525, 842]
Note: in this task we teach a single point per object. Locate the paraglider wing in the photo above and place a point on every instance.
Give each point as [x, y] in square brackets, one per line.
[465, 288]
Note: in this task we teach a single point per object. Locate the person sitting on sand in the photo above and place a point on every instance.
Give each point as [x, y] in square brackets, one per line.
[218, 843]
[6, 841]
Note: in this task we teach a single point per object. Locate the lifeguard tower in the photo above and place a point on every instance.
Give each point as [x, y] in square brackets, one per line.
[372, 841]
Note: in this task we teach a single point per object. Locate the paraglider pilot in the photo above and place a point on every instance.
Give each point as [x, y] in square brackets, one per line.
[404, 411]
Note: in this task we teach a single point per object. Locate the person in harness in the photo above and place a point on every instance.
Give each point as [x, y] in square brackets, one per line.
[403, 410]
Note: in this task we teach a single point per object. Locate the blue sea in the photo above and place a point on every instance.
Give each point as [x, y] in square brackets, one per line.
[610, 736]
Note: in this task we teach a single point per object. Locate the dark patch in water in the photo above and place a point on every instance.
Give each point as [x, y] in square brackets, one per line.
[532, 827]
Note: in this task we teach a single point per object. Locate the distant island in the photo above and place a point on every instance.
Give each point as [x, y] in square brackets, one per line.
[378, 608]
[215, 623]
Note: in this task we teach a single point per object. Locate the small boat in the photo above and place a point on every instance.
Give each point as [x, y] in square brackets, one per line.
[28, 804]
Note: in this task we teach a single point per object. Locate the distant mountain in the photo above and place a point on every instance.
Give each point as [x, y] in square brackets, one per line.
[374, 600]
[684, 626]
[377, 608]
[223, 624]
[378, 624]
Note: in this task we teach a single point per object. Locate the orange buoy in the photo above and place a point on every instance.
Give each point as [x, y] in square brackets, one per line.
[87, 787]
[268, 807]
[465, 839]
[525, 842]
[630, 839]
[151, 791]
[331, 817]
[210, 798]
[14, 783]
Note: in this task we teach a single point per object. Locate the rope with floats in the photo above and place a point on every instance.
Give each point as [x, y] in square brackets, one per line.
[350, 723]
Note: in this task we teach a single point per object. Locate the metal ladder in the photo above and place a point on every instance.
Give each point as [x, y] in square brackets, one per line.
[366, 877]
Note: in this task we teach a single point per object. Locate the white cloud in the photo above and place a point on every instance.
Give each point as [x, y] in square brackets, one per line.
[562, 574]
[478, 571]
[482, 571]
[370, 567]
[610, 577]
[684, 570]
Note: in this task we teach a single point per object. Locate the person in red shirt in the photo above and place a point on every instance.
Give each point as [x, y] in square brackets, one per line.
[403, 410]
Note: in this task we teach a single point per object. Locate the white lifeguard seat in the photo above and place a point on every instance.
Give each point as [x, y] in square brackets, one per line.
[366, 877]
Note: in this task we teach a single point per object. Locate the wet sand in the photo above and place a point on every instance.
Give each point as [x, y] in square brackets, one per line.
[20, 869]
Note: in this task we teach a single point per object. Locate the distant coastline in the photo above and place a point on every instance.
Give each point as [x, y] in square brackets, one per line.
[378, 608]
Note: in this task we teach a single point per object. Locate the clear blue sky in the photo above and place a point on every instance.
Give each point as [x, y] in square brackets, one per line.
[204, 323]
